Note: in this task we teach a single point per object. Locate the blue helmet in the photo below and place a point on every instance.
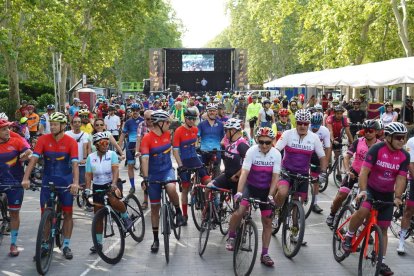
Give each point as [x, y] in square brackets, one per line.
[317, 118]
[135, 106]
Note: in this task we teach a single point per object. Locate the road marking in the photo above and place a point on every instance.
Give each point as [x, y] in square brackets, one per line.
[86, 271]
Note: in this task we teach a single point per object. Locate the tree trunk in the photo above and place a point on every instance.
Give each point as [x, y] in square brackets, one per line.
[62, 85]
[13, 78]
[402, 23]
[364, 38]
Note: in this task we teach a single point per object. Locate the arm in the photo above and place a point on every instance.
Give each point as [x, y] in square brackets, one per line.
[349, 135]
[115, 174]
[88, 180]
[121, 139]
[400, 184]
[176, 153]
[363, 179]
[242, 180]
[29, 169]
[114, 143]
[144, 166]
[273, 184]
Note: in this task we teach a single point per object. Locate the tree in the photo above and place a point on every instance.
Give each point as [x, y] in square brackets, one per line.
[402, 24]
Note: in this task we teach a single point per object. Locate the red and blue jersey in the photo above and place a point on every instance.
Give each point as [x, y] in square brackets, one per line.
[11, 170]
[58, 156]
[185, 141]
[158, 150]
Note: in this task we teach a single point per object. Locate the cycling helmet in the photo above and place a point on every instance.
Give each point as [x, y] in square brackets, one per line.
[50, 107]
[211, 106]
[58, 117]
[159, 116]
[371, 124]
[99, 136]
[317, 118]
[388, 104]
[338, 108]
[335, 101]
[216, 100]
[4, 123]
[111, 107]
[220, 106]
[318, 108]
[76, 100]
[380, 124]
[3, 116]
[265, 131]
[266, 102]
[302, 115]
[23, 120]
[356, 101]
[395, 128]
[83, 112]
[283, 112]
[190, 113]
[254, 97]
[233, 123]
[135, 106]
[198, 98]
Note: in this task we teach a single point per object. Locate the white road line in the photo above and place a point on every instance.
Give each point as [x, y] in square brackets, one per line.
[86, 271]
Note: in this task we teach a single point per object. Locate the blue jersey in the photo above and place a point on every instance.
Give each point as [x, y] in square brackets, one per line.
[210, 135]
[131, 127]
[73, 109]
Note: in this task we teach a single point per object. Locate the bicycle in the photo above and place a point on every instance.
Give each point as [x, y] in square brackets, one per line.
[214, 214]
[397, 217]
[247, 241]
[50, 229]
[197, 198]
[4, 213]
[371, 253]
[292, 215]
[310, 199]
[167, 217]
[212, 169]
[348, 206]
[333, 169]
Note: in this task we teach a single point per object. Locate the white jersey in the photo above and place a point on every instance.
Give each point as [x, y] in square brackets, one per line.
[410, 148]
[101, 168]
[112, 124]
[298, 151]
[81, 138]
[324, 136]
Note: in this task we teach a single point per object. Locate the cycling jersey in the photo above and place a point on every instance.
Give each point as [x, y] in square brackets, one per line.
[281, 128]
[385, 165]
[360, 148]
[261, 166]
[112, 124]
[158, 150]
[101, 168]
[185, 140]
[87, 128]
[337, 125]
[298, 151]
[11, 169]
[324, 136]
[33, 121]
[210, 135]
[253, 110]
[15, 135]
[234, 155]
[131, 127]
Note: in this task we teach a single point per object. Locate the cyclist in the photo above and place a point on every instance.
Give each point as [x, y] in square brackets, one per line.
[157, 166]
[44, 126]
[113, 122]
[385, 166]
[32, 120]
[12, 151]
[252, 113]
[102, 166]
[86, 125]
[356, 115]
[221, 114]
[358, 149]
[283, 123]
[258, 179]
[185, 138]
[324, 137]
[74, 108]
[60, 153]
[299, 144]
[211, 132]
[130, 128]
[389, 115]
[241, 108]
[266, 116]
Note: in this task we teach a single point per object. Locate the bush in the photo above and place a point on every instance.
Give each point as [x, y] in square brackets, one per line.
[44, 100]
[8, 108]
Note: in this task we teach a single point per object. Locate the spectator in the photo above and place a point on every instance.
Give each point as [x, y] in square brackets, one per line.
[408, 111]
[74, 108]
[32, 121]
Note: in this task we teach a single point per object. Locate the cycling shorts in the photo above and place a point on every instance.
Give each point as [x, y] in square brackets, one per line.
[337, 146]
[302, 189]
[154, 190]
[99, 197]
[410, 189]
[222, 181]
[252, 122]
[65, 198]
[348, 183]
[130, 153]
[384, 212]
[260, 194]
[185, 177]
[15, 198]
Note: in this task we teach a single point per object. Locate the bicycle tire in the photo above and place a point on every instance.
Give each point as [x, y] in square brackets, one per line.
[205, 230]
[337, 250]
[323, 186]
[375, 255]
[166, 232]
[309, 202]
[136, 214]
[339, 163]
[289, 239]
[46, 222]
[225, 213]
[102, 216]
[197, 204]
[80, 200]
[247, 228]
[59, 231]
[395, 226]
[175, 227]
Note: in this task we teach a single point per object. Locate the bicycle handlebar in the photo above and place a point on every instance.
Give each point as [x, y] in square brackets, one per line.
[215, 188]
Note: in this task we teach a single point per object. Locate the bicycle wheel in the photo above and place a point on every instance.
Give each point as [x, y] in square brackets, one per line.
[293, 229]
[396, 222]
[310, 201]
[59, 231]
[245, 251]
[339, 165]
[166, 231]
[205, 229]
[44, 242]
[80, 200]
[197, 205]
[225, 214]
[136, 214]
[345, 213]
[175, 227]
[108, 236]
[370, 258]
[323, 186]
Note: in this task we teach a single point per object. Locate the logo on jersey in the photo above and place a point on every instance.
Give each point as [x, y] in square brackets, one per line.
[387, 165]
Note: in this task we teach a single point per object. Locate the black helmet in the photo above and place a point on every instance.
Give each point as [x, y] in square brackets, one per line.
[190, 113]
[371, 124]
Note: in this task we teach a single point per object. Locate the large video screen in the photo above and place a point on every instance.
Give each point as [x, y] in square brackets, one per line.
[198, 62]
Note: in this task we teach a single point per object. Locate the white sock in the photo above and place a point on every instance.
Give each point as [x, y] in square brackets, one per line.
[316, 199]
[402, 235]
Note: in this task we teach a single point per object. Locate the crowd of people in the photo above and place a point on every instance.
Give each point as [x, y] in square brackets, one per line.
[84, 147]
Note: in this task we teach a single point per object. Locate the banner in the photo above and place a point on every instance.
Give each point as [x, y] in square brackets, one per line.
[156, 69]
[240, 69]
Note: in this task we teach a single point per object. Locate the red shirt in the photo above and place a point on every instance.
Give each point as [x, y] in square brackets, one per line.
[337, 125]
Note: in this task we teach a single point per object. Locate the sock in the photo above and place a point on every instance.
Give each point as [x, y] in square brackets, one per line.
[177, 209]
[131, 180]
[155, 233]
[124, 215]
[13, 236]
[316, 199]
[349, 234]
[402, 235]
[184, 206]
[66, 242]
[264, 251]
[99, 238]
[232, 234]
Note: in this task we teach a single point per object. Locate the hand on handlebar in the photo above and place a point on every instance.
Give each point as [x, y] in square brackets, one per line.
[397, 202]
[74, 188]
[238, 197]
[26, 184]
[361, 196]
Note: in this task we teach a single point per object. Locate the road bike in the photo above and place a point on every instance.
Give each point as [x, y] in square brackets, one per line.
[213, 169]
[336, 169]
[197, 197]
[370, 253]
[397, 217]
[215, 213]
[4, 212]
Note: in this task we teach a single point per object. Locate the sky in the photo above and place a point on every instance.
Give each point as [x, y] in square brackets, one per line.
[203, 20]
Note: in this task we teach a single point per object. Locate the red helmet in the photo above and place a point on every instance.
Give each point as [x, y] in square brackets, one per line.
[30, 107]
[265, 131]
[283, 112]
[4, 123]
[276, 100]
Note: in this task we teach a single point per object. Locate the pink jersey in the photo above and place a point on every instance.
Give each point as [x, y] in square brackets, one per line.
[359, 148]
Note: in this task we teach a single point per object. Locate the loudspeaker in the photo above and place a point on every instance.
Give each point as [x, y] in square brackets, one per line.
[147, 85]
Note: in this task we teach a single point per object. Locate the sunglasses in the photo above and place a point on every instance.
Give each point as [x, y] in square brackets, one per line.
[191, 118]
[261, 142]
[103, 143]
[77, 122]
[283, 116]
[315, 126]
[98, 125]
[83, 116]
[135, 110]
[369, 130]
[399, 137]
[302, 123]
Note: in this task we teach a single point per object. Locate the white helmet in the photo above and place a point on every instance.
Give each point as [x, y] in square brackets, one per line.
[3, 116]
[380, 123]
[233, 123]
[211, 106]
[302, 115]
[99, 136]
[395, 128]
[159, 116]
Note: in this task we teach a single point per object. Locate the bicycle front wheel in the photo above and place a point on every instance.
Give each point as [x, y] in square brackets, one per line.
[108, 236]
[176, 228]
[370, 257]
[134, 209]
[310, 201]
[205, 229]
[396, 222]
[339, 171]
[345, 213]
[59, 230]
[44, 242]
[197, 205]
[225, 214]
[166, 232]
[293, 229]
[245, 251]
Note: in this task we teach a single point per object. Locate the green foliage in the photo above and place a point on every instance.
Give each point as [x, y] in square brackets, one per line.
[44, 100]
[35, 89]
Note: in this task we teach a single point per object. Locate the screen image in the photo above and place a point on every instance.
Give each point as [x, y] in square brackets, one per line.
[198, 62]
